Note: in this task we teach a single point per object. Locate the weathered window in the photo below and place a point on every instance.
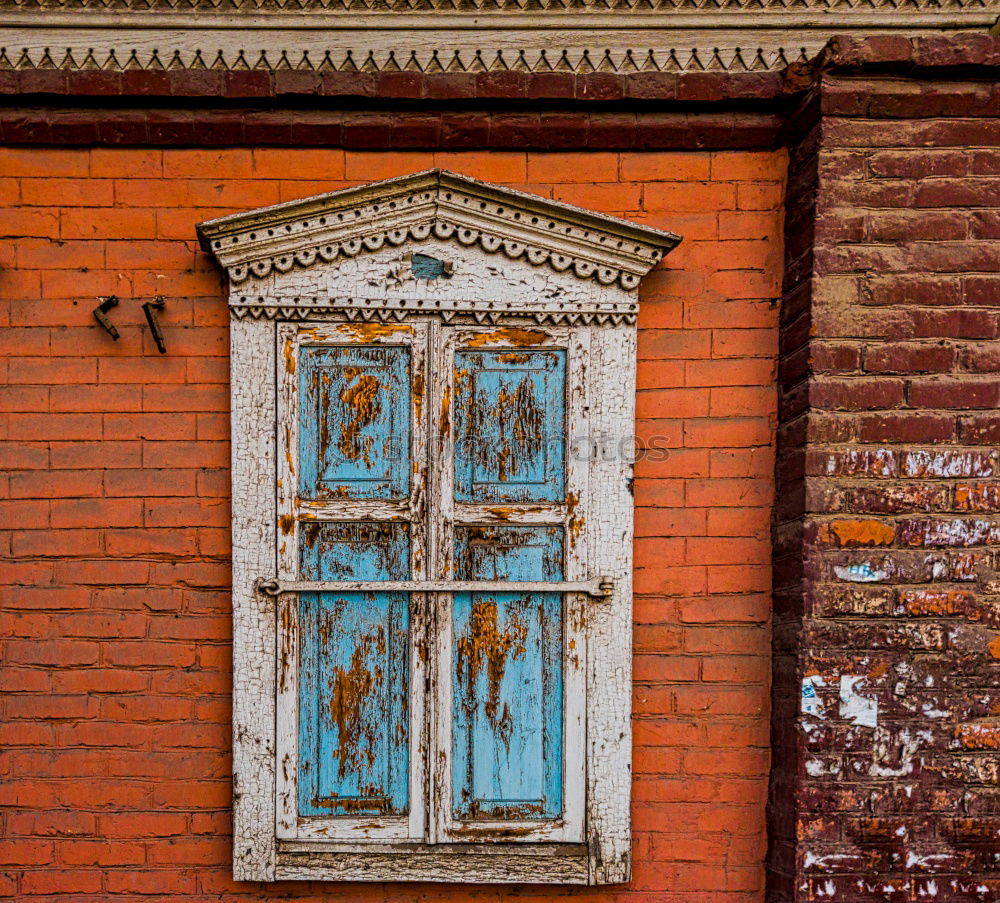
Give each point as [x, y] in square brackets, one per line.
[432, 533]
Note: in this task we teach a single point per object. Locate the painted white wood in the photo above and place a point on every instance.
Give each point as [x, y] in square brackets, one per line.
[693, 37]
[384, 279]
[368, 295]
[286, 539]
[550, 864]
[609, 681]
[579, 566]
[442, 484]
[253, 480]
[446, 205]
[594, 587]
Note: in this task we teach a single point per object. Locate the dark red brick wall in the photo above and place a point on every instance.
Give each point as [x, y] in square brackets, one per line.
[888, 451]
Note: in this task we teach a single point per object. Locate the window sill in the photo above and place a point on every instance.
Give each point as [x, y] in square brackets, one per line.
[492, 863]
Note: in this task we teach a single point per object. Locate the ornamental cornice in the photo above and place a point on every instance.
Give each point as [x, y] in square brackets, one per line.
[440, 205]
[455, 36]
[716, 9]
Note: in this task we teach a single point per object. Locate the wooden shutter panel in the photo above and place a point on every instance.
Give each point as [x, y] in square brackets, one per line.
[508, 655]
[510, 425]
[354, 409]
[354, 441]
[507, 729]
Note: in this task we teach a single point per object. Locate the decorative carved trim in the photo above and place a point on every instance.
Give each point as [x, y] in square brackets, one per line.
[259, 309]
[422, 60]
[454, 36]
[441, 204]
[877, 9]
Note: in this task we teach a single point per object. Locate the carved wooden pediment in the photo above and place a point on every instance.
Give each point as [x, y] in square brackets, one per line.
[433, 243]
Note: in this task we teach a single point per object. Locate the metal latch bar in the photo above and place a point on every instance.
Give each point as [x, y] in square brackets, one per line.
[596, 588]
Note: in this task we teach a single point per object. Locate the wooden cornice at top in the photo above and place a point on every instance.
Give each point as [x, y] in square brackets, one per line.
[455, 36]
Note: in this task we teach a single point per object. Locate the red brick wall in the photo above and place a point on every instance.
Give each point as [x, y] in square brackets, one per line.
[889, 456]
[114, 519]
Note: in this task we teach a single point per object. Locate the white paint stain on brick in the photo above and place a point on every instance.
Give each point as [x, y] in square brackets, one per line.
[901, 750]
[947, 464]
[862, 572]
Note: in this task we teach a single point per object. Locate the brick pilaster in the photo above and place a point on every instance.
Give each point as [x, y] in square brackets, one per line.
[886, 785]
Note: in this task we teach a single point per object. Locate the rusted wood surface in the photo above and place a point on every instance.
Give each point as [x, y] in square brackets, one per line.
[336, 471]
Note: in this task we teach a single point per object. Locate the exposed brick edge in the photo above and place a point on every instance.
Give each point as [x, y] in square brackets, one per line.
[406, 129]
[788, 572]
[962, 53]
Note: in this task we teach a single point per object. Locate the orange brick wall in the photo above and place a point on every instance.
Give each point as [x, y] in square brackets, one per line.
[115, 511]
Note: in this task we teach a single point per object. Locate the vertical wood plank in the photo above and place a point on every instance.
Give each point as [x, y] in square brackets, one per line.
[578, 567]
[609, 683]
[252, 377]
[286, 533]
[440, 544]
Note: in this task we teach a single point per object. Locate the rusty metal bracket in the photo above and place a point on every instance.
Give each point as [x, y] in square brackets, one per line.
[101, 315]
[154, 327]
[600, 588]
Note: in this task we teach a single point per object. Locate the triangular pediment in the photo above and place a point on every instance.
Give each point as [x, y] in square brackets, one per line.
[437, 206]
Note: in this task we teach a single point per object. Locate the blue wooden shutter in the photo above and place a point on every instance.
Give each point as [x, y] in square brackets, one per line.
[510, 426]
[354, 441]
[353, 714]
[507, 649]
[354, 411]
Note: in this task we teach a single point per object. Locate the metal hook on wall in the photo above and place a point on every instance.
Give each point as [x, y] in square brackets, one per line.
[101, 315]
[154, 326]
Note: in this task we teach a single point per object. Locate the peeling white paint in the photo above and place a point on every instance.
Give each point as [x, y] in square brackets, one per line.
[817, 767]
[928, 860]
[907, 749]
[862, 711]
[947, 464]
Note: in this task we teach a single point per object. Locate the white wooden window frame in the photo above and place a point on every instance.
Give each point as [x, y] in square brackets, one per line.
[312, 271]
